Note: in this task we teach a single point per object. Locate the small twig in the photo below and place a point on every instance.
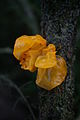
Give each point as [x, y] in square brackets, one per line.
[27, 83]
[5, 50]
[14, 106]
[20, 93]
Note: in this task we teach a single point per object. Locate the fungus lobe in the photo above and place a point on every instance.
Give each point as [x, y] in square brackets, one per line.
[50, 78]
[27, 49]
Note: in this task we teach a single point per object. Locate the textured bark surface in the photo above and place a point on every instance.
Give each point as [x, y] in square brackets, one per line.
[59, 21]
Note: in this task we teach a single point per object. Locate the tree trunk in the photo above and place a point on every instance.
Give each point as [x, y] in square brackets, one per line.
[59, 21]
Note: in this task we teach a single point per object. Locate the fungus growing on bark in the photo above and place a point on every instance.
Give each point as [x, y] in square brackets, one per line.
[28, 58]
[50, 78]
[26, 50]
[32, 52]
[24, 43]
[48, 57]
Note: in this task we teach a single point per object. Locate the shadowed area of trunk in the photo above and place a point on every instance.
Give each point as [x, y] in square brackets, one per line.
[59, 24]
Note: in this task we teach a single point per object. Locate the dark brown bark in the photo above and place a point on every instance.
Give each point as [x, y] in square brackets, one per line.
[59, 21]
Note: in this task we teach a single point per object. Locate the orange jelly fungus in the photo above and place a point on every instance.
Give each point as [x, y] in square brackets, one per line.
[28, 59]
[33, 52]
[25, 43]
[48, 57]
[50, 78]
[27, 48]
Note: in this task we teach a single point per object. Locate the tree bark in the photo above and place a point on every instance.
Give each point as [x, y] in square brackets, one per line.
[58, 26]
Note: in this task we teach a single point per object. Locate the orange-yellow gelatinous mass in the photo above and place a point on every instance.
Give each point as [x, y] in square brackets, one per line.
[52, 77]
[49, 48]
[27, 49]
[48, 57]
[46, 61]
[25, 43]
[33, 52]
[28, 59]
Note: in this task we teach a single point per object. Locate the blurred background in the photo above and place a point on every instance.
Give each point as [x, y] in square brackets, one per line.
[18, 92]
